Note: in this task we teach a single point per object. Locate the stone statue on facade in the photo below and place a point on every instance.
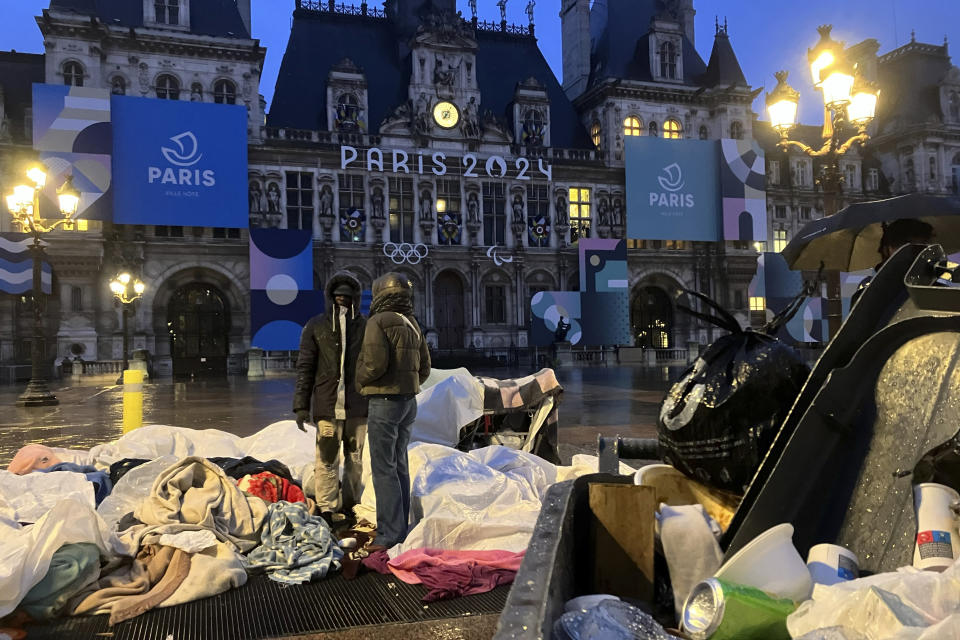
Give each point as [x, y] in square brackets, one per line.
[517, 209]
[503, 10]
[325, 209]
[274, 215]
[603, 213]
[471, 119]
[144, 77]
[473, 208]
[473, 9]
[256, 197]
[196, 92]
[422, 116]
[616, 218]
[376, 203]
[426, 205]
[530, 5]
[561, 209]
[444, 77]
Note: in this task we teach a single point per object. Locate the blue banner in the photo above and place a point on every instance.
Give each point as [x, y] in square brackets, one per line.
[179, 163]
[673, 190]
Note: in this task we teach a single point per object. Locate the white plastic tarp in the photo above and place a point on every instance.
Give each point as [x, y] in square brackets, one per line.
[28, 497]
[448, 401]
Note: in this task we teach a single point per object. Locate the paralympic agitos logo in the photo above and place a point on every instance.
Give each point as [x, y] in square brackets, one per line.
[671, 182]
[183, 157]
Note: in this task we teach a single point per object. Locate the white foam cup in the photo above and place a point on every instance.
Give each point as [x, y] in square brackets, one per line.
[938, 542]
[770, 563]
[831, 563]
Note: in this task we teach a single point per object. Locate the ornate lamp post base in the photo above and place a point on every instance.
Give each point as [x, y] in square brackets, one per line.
[37, 394]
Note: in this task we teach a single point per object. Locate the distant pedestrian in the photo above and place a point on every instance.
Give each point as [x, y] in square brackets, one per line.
[326, 373]
[393, 363]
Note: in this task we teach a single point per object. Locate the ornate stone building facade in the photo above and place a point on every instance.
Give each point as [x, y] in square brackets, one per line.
[410, 138]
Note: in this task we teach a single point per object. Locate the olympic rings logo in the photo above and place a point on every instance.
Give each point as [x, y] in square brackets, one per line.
[405, 252]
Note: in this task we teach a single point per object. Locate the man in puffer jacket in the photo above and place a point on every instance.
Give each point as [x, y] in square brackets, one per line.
[393, 363]
[326, 366]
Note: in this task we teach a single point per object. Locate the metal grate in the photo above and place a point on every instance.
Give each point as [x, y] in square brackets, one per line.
[265, 609]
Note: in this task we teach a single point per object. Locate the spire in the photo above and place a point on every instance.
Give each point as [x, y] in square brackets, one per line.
[724, 68]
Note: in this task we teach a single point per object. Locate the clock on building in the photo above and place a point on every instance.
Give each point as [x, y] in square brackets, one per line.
[446, 114]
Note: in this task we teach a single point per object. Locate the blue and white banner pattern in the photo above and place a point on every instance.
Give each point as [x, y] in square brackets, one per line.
[16, 265]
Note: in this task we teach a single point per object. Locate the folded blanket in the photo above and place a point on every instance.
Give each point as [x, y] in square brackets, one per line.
[196, 494]
[72, 567]
[297, 547]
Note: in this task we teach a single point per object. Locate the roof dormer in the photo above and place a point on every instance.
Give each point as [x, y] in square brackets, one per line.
[167, 14]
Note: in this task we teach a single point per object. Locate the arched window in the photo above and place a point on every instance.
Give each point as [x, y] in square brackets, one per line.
[632, 126]
[595, 133]
[704, 132]
[668, 60]
[348, 112]
[672, 129]
[73, 74]
[224, 92]
[118, 86]
[653, 129]
[736, 130]
[167, 11]
[955, 106]
[168, 87]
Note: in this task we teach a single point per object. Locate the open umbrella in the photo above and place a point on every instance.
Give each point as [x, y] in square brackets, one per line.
[850, 240]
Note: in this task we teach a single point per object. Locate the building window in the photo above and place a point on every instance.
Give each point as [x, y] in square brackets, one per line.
[73, 74]
[910, 178]
[348, 113]
[350, 195]
[401, 210]
[595, 133]
[495, 303]
[632, 126]
[534, 128]
[850, 176]
[164, 231]
[168, 87]
[221, 233]
[955, 169]
[779, 240]
[780, 211]
[955, 106]
[118, 86]
[494, 213]
[704, 132]
[672, 129]
[773, 172]
[668, 61]
[805, 213]
[653, 129]
[933, 168]
[801, 175]
[579, 213]
[873, 179]
[299, 200]
[224, 92]
[538, 212]
[167, 11]
[758, 303]
[738, 299]
[449, 212]
[736, 130]
[76, 299]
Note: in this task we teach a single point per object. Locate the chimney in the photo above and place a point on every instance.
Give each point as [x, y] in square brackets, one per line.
[243, 6]
[575, 34]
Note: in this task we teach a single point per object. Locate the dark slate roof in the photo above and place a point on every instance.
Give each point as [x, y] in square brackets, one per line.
[18, 72]
[219, 18]
[318, 41]
[724, 69]
[909, 85]
[619, 42]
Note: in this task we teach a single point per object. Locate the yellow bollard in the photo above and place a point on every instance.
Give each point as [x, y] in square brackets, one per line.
[132, 399]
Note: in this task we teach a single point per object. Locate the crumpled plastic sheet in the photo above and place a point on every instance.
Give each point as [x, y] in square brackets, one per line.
[906, 604]
[131, 489]
[25, 552]
[28, 497]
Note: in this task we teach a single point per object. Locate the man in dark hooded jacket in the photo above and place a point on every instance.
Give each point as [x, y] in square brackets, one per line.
[393, 363]
[326, 371]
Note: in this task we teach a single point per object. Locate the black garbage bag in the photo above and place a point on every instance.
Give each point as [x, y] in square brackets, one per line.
[718, 420]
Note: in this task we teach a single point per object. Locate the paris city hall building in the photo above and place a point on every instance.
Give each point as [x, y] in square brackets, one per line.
[408, 137]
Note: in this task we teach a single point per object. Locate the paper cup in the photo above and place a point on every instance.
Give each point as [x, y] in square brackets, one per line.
[770, 563]
[938, 542]
[831, 563]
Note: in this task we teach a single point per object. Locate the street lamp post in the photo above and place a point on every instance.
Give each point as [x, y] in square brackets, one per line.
[127, 290]
[24, 206]
[849, 100]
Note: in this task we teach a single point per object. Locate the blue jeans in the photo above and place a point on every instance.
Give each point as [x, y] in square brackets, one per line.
[389, 421]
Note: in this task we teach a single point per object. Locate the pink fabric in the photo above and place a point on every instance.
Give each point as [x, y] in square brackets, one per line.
[31, 458]
[450, 574]
[377, 561]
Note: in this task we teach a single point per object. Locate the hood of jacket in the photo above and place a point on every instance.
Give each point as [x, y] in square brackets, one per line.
[343, 277]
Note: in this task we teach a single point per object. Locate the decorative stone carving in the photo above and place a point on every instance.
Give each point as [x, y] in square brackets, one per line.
[423, 121]
[143, 75]
[445, 77]
[473, 208]
[274, 209]
[529, 10]
[376, 204]
[562, 211]
[503, 10]
[470, 127]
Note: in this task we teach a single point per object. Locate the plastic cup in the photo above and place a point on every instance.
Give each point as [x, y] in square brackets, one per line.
[772, 564]
[582, 603]
[831, 563]
[938, 542]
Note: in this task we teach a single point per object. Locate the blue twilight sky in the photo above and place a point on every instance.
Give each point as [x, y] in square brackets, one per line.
[766, 36]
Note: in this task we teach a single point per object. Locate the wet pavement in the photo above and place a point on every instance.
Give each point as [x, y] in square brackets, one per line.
[596, 400]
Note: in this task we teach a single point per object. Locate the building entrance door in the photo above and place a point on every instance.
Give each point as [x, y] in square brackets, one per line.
[448, 310]
[198, 318]
[651, 316]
